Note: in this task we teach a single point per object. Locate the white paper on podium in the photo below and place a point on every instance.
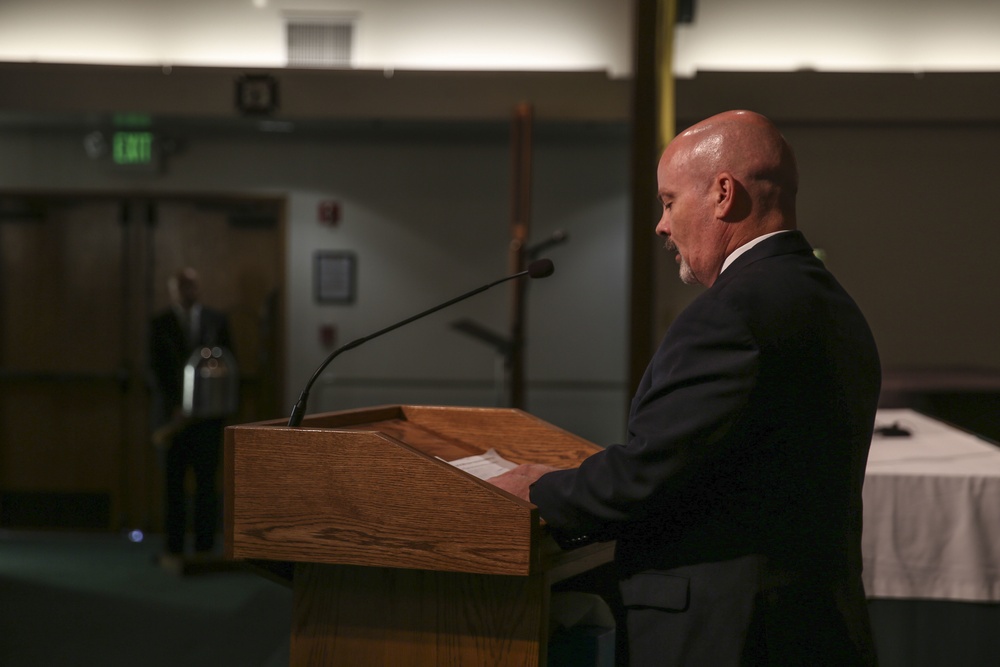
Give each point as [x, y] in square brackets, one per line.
[484, 466]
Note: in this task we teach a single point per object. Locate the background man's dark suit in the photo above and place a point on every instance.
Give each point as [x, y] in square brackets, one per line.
[736, 502]
[197, 443]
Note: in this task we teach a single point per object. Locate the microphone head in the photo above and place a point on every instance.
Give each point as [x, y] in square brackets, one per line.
[541, 268]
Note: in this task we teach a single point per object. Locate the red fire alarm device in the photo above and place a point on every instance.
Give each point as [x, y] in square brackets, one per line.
[329, 212]
[328, 336]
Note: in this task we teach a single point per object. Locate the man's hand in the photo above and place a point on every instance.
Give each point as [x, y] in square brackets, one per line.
[518, 480]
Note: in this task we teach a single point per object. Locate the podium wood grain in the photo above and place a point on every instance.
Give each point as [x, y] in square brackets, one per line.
[347, 615]
[401, 558]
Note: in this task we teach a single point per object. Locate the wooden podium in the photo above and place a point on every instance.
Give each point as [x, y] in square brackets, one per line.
[400, 558]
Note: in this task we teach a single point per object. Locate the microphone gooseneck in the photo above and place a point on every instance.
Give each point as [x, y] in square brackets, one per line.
[540, 268]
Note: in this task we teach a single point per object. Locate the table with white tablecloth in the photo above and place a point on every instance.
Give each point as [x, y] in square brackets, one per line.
[932, 535]
[932, 512]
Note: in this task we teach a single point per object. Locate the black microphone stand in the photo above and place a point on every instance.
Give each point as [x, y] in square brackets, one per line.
[538, 269]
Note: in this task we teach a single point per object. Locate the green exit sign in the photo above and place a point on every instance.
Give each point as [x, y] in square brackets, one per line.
[132, 148]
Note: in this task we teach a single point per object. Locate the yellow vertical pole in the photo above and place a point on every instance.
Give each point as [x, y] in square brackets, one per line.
[667, 20]
[652, 128]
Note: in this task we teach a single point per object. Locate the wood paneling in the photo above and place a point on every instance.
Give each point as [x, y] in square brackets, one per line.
[80, 276]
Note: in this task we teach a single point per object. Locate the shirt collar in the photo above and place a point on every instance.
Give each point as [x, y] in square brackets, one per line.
[746, 246]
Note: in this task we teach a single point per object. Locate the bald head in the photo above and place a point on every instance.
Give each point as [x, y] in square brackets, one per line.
[183, 287]
[724, 182]
[749, 146]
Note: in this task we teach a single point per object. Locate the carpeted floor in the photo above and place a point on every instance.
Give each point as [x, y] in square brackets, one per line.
[100, 600]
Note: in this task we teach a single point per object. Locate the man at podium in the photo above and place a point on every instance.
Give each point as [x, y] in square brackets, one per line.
[736, 499]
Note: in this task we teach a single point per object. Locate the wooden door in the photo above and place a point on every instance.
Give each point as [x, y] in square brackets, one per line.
[236, 245]
[80, 278]
[63, 362]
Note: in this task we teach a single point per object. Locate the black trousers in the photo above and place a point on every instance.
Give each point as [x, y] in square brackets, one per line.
[197, 447]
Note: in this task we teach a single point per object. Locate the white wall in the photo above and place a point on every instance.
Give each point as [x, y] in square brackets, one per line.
[399, 34]
[726, 35]
[428, 220]
[897, 211]
[844, 36]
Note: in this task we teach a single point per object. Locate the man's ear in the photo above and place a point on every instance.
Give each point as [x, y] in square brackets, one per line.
[732, 202]
[725, 194]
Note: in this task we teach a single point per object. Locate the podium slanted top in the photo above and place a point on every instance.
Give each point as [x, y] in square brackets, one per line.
[374, 487]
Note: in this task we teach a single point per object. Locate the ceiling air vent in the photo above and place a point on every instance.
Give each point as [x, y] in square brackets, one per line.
[319, 41]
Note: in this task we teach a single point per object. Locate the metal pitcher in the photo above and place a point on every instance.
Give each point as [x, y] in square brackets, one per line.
[211, 384]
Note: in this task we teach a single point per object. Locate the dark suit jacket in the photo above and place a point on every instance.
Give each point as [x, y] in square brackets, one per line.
[169, 349]
[736, 501]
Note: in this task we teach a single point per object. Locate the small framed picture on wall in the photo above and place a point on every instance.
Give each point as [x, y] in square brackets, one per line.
[335, 274]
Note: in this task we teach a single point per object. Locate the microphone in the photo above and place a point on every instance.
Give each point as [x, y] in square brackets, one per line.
[540, 268]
